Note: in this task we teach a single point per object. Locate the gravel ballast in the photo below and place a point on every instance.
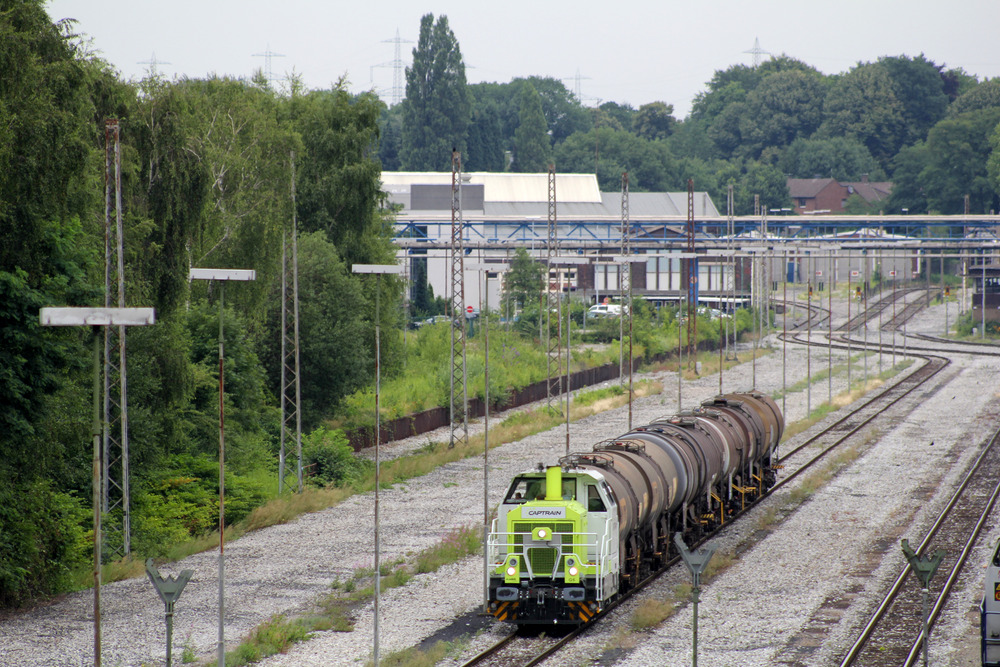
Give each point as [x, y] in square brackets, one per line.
[747, 614]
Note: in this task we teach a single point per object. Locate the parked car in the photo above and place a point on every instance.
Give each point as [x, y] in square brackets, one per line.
[605, 310]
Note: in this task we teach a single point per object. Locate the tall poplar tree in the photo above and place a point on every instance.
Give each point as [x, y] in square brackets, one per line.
[531, 139]
[436, 109]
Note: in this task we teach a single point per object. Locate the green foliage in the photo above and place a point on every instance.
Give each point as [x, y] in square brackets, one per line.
[531, 143]
[785, 106]
[330, 458]
[862, 105]
[957, 153]
[523, 283]
[838, 157]
[436, 110]
[337, 178]
[609, 152]
[42, 540]
[181, 501]
[654, 121]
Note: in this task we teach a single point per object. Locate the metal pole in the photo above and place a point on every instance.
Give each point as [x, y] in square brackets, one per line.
[829, 347]
[784, 332]
[895, 263]
[926, 628]
[881, 308]
[486, 446]
[378, 440]
[569, 320]
[850, 297]
[809, 355]
[97, 431]
[680, 353]
[222, 486]
[694, 643]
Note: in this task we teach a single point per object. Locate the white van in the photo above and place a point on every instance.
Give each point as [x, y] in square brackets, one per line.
[605, 310]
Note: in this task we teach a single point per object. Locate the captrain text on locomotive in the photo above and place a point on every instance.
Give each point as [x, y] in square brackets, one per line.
[570, 538]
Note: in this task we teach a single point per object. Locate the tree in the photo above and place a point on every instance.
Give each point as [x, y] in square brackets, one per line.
[920, 88]
[486, 148]
[608, 153]
[907, 191]
[785, 106]
[958, 150]
[531, 140]
[654, 121]
[522, 285]
[436, 109]
[863, 105]
[840, 158]
[983, 96]
[338, 177]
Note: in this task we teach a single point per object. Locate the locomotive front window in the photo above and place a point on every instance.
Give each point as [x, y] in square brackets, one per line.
[524, 489]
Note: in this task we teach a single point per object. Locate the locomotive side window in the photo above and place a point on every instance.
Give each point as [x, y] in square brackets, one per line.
[996, 556]
[594, 502]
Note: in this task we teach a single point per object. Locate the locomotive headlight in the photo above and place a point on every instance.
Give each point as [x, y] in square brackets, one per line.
[512, 571]
[572, 570]
[541, 534]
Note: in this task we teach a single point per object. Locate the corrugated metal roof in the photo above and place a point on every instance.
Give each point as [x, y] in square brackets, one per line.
[527, 195]
[503, 187]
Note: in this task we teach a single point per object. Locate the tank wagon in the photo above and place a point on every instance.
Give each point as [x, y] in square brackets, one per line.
[989, 611]
[570, 538]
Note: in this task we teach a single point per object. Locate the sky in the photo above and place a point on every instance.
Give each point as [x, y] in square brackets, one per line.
[636, 52]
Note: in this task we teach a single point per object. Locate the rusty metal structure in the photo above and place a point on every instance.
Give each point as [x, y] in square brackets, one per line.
[625, 290]
[692, 281]
[459, 389]
[291, 392]
[553, 344]
[115, 493]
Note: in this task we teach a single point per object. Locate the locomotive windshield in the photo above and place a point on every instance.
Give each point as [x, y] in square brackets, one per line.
[523, 489]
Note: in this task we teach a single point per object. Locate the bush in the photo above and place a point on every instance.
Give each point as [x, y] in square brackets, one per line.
[330, 458]
[42, 539]
[183, 502]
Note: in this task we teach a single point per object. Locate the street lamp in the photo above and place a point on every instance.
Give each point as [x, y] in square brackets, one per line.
[222, 275]
[378, 270]
[96, 317]
[486, 269]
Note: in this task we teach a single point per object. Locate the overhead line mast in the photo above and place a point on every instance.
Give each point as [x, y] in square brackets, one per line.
[459, 389]
[625, 291]
[115, 494]
[291, 393]
[553, 344]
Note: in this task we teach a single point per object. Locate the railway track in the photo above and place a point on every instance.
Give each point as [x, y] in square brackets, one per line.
[893, 635]
[511, 650]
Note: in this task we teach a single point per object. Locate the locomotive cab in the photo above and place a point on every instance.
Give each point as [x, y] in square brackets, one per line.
[553, 548]
[990, 611]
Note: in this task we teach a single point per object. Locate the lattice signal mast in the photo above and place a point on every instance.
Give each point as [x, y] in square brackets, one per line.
[115, 500]
[459, 388]
[625, 288]
[553, 344]
[692, 275]
[291, 390]
[731, 276]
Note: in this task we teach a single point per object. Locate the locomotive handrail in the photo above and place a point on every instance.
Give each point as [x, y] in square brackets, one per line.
[501, 544]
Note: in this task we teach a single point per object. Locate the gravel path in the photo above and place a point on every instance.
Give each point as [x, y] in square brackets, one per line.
[777, 583]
